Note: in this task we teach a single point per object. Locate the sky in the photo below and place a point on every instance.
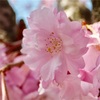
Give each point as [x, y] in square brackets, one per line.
[87, 3]
[23, 8]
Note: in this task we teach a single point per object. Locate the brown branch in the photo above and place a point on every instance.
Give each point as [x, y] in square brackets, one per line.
[4, 88]
[6, 43]
[9, 66]
[16, 46]
[5, 95]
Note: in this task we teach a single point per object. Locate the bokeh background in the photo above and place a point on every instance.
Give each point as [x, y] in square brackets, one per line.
[23, 8]
[14, 13]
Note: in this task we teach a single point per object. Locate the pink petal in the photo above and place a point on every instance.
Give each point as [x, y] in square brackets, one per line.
[36, 20]
[47, 71]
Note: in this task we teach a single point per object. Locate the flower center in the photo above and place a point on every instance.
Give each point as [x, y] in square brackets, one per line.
[53, 44]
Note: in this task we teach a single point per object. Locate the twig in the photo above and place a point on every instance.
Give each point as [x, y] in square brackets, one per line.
[16, 46]
[4, 88]
[3, 82]
[9, 66]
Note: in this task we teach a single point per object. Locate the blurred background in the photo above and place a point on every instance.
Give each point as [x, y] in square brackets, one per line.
[14, 13]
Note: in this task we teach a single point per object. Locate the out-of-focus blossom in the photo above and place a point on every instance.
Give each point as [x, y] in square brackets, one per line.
[90, 82]
[96, 77]
[94, 47]
[53, 46]
[21, 83]
[51, 93]
[91, 71]
[74, 89]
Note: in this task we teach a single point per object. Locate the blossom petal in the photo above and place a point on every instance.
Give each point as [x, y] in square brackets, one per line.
[47, 71]
[45, 22]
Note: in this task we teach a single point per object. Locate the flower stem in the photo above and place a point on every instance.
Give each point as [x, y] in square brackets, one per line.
[4, 88]
[9, 66]
[3, 82]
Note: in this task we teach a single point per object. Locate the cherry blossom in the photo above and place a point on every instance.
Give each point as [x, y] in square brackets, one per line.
[61, 60]
[94, 46]
[74, 89]
[20, 81]
[53, 45]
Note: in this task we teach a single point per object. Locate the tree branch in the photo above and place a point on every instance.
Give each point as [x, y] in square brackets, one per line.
[4, 88]
[9, 66]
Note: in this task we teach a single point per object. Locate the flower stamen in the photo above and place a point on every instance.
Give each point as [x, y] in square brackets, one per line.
[53, 44]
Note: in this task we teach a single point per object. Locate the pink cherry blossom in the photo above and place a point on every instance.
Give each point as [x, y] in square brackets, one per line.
[88, 86]
[93, 52]
[96, 77]
[53, 45]
[74, 89]
[15, 93]
[50, 93]
[21, 83]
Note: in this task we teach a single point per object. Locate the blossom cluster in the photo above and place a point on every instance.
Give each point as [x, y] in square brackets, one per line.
[19, 79]
[63, 53]
[61, 59]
